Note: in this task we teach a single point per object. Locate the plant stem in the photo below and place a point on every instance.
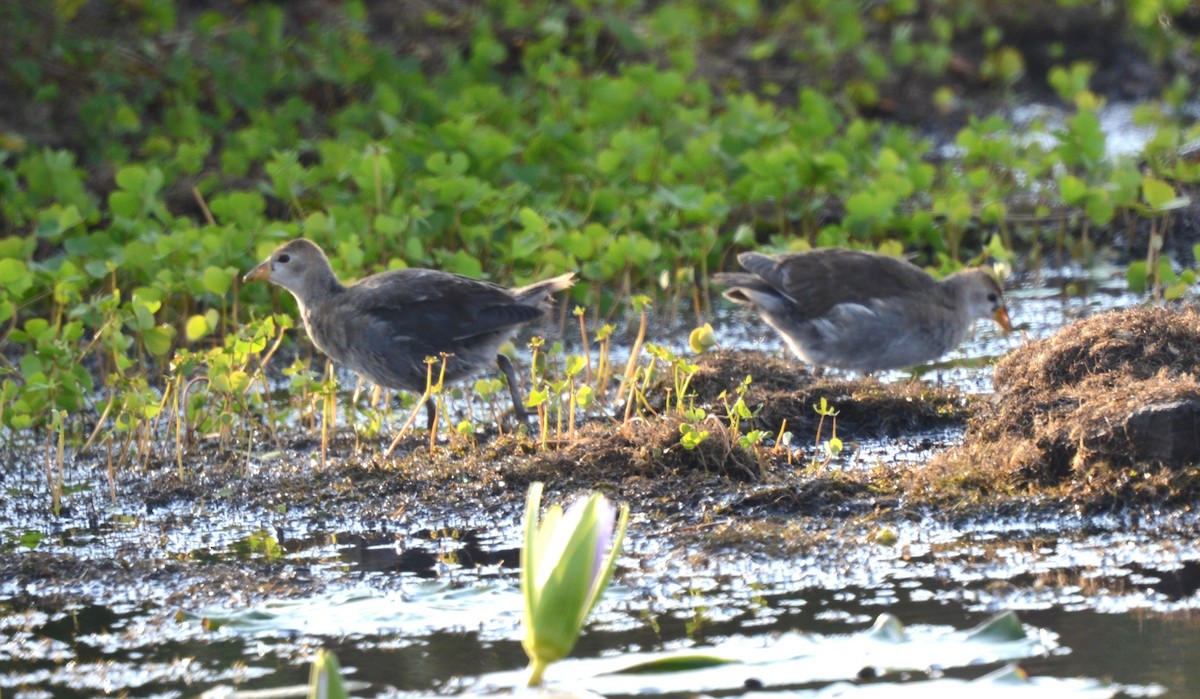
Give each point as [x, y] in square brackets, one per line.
[537, 668]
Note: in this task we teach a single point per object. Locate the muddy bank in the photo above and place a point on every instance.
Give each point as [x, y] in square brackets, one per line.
[784, 390]
[641, 459]
[1105, 412]
[721, 497]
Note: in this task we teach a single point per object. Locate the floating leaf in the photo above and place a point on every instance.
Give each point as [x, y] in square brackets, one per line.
[1001, 628]
[676, 663]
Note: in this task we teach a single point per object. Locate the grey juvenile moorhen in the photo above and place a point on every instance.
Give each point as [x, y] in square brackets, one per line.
[863, 311]
[385, 325]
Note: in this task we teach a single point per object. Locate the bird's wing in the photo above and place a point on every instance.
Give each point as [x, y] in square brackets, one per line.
[825, 278]
[435, 309]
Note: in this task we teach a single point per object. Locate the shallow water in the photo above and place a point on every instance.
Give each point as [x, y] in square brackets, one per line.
[428, 602]
[1118, 608]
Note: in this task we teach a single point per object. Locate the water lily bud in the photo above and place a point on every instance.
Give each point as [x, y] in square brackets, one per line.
[566, 564]
[325, 678]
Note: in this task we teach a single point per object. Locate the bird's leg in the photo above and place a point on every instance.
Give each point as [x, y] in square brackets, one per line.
[431, 414]
[514, 388]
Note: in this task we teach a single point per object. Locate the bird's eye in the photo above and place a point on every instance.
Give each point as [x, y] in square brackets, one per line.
[285, 257]
[992, 297]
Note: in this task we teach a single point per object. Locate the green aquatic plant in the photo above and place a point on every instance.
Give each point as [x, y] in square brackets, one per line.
[566, 564]
[434, 390]
[681, 372]
[691, 432]
[260, 543]
[702, 339]
[539, 392]
[831, 447]
[738, 410]
[1158, 199]
[325, 678]
[629, 378]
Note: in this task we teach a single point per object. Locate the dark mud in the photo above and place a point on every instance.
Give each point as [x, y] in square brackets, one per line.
[640, 459]
[785, 391]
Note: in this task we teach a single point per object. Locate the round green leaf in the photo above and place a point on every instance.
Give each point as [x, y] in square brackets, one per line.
[196, 328]
[217, 280]
[15, 276]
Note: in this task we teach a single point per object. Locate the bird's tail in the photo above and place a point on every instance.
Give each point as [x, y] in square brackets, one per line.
[537, 292]
[742, 287]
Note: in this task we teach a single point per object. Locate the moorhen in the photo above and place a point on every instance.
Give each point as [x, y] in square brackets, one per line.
[863, 311]
[384, 326]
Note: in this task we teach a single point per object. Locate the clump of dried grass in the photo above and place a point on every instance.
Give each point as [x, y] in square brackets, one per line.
[1093, 409]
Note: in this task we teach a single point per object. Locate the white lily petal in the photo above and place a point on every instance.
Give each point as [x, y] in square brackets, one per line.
[556, 534]
[606, 516]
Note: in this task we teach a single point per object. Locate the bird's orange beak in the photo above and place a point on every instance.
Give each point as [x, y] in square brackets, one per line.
[1001, 316]
[262, 271]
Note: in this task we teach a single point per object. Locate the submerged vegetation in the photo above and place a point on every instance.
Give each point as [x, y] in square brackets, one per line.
[153, 152]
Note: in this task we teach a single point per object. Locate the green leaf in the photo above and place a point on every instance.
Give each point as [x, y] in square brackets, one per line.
[537, 398]
[702, 338]
[608, 161]
[217, 280]
[31, 539]
[1004, 627]
[531, 220]
[15, 276]
[584, 397]
[575, 364]
[126, 119]
[676, 663]
[1100, 207]
[1072, 189]
[1156, 192]
[158, 340]
[196, 328]
[325, 679]
[1136, 277]
[690, 437]
[132, 178]
[124, 204]
[69, 217]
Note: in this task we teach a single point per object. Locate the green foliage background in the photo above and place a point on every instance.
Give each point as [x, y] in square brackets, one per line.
[152, 152]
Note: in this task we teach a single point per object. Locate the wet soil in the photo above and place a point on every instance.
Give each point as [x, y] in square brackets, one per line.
[722, 495]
